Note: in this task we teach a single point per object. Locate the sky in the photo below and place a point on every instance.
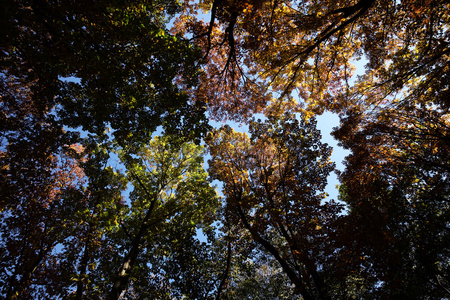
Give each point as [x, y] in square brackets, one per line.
[325, 124]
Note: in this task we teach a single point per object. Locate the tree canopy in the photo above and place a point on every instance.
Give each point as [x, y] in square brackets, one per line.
[114, 184]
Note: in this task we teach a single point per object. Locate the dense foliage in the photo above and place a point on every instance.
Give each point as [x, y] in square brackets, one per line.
[105, 133]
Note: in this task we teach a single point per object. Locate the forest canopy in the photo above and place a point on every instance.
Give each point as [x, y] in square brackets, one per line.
[115, 183]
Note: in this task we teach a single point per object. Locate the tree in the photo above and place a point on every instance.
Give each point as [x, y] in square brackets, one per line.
[171, 199]
[398, 175]
[273, 183]
[36, 207]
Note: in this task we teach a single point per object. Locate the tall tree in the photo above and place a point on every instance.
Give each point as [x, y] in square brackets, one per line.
[171, 199]
[273, 183]
[397, 176]
[38, 193]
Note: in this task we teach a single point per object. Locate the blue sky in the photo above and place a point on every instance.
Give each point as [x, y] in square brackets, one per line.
[325, 124]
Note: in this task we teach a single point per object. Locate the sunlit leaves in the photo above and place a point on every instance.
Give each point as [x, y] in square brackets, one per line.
[171, 199]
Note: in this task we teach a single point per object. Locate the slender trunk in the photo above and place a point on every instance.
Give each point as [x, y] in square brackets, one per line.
[82, 269]
[123, 273]
[225, 275]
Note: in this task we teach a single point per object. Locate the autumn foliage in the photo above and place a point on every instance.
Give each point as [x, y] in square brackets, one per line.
[114, 184]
